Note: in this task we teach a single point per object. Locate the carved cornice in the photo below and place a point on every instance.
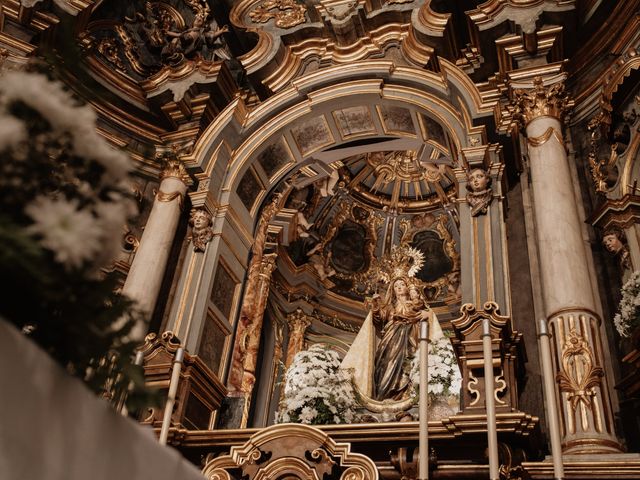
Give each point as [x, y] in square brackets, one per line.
[621, 213]
[522, 12]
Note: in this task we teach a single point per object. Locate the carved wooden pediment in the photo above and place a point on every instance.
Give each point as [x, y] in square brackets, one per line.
[291, 451]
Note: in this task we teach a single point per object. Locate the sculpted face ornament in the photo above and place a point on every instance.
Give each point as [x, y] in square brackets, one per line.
[613, 242]
[480, 194]
[202, 232]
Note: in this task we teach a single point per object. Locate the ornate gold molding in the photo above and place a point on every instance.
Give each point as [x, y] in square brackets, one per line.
[579, 374]
[541, 100]
[285, 13]
[291, 451]
[542, 139]
[169, 197]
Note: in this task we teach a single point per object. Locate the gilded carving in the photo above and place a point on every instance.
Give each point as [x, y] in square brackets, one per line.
[159, 36]
[542, 139]
[298, 322]
[321, 256]
[578, 376]
[286, 13]
[201, 229]
[291, 451]
[449, 283]
[540, 101]
[600, 167]
[174, 168]
[108, 48]
[480, 192]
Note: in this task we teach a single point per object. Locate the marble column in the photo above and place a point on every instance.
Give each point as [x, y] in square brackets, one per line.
[148, 267]
[582, 389]
[298, 323]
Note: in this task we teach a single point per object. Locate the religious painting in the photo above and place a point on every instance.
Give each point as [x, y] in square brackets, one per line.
[222, 293]
[212, 344]
[436, 261]
[349, 248]
[274, 157]
[396, 120]
[249, 189]
[354, 121]
[312, 135]
[432, 130]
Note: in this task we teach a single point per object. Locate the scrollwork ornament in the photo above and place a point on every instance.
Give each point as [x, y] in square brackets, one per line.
[108, 48]
[321, 456]
[353, 473]
[286, 13]
[471, 384]
[541, 100]
[219, 474]
[600, 167]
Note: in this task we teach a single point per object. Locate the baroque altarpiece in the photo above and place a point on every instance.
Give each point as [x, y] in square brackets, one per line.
[315, 177]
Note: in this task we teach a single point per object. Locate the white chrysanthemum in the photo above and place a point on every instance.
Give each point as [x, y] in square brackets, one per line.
[629, 308]
[315, 390]
[72, 234]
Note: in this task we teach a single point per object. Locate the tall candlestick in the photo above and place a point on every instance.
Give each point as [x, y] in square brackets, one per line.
[492, 434]
[549, 395]
[171, 397]
[423, 414]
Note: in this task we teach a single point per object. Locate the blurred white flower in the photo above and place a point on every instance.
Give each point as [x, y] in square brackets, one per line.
[12, 131]
[72, 234]
[60, 109]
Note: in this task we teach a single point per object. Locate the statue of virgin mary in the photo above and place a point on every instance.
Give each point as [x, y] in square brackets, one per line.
[385, 374]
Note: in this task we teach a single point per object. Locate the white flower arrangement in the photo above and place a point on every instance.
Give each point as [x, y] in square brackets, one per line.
[66, 200]
[628, 316]
[443, 371]
[316, 391]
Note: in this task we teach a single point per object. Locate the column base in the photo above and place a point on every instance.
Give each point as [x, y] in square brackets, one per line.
[592, 446]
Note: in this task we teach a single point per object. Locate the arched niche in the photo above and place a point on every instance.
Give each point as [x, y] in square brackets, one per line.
[386, 108]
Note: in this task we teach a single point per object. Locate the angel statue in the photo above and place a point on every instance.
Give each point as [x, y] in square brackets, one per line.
[397, 315]
[190, 41]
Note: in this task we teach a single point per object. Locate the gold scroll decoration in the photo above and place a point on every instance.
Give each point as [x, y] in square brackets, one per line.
[579, 376]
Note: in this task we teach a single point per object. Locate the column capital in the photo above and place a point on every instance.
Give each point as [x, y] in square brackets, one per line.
[543, 97]
[175, 169]
[298, 320]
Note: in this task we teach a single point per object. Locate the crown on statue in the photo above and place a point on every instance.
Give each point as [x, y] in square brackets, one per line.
[402, 261]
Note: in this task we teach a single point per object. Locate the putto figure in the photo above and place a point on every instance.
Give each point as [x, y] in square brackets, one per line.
[202, 233]
[614, 241]
[480, 192]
